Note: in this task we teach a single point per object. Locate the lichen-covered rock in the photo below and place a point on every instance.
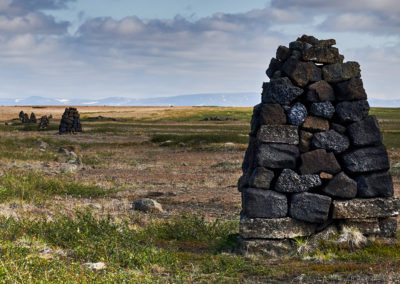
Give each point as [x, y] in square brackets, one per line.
[272, 114]
[388, 227]
[315, 124]
[266, 248]
[341, 186]
[282, 228]
[330, 141]
[365, 208]
[147, 205]
[350, 90]
[375, 185]
[280, 91]
[323, 109]
[289, 181]
[277, 156]
[261, 178]
[297, 114]
[317, 161]
[310, 207]
[301, 72]
[365, 132]
[286, 134]
[261, 203]
[339, 72]
[352, 111]
[366, 160]
[320, 91]
[369, 226]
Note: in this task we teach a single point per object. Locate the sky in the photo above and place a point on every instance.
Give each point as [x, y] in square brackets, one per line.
[142, 49]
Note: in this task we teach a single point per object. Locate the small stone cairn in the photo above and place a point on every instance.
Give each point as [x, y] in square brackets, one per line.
[44, 122]
[70, 121]
[315, 158]
[24, 117]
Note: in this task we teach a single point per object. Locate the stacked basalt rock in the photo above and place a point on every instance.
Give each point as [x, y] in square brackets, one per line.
[70, 121]
[315, 157]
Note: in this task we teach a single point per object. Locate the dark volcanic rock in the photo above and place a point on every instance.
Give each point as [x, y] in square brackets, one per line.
[282, 53]
[289, 181]
[320, 91]
[315, 124]
[341, 186]
[327, 55]
[331, 141]
[352, 111]
[366, 160]
[310, 207]
[305, 141]
[272, 114]
[287, 134]
[339, 72]
[365, 208]
[365, 132]
[274, 65]
[261, 203]
[297, 114]
[255, 119]
[301, 72]
[338, 128]
[261, 178]
[277, 156]
[282, 228]
[318, 161]
[297, 45]
[350, 90]
[375, 185]
[324, 109]
[280, 91]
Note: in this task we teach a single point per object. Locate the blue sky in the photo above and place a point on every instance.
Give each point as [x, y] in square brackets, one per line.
[132, 48]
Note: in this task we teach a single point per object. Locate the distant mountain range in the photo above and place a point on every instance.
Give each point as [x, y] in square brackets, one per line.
[228, 99]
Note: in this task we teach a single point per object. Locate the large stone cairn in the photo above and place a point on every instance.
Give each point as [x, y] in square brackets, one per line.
[315, 157]
[70, 121]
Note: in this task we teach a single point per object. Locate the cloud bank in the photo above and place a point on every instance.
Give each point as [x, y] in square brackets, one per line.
[155, 57]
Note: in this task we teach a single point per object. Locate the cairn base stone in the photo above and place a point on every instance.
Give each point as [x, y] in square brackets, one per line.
[261, 203]
[268, 248]
[283, 228]
[365, 208]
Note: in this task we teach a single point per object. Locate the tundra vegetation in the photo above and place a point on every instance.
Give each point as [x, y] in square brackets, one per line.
[60, 211]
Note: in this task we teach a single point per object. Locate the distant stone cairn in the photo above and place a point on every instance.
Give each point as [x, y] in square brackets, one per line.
[70, 121]
[315, 157]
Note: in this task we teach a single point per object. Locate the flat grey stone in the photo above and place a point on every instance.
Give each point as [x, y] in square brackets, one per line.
[310, 207]
[266, 248]
[287, 134]
[365, 208]
[282, 228]
[262, 203]
[368, 159]
[368, 226]
[289, 181]
[277, 156]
